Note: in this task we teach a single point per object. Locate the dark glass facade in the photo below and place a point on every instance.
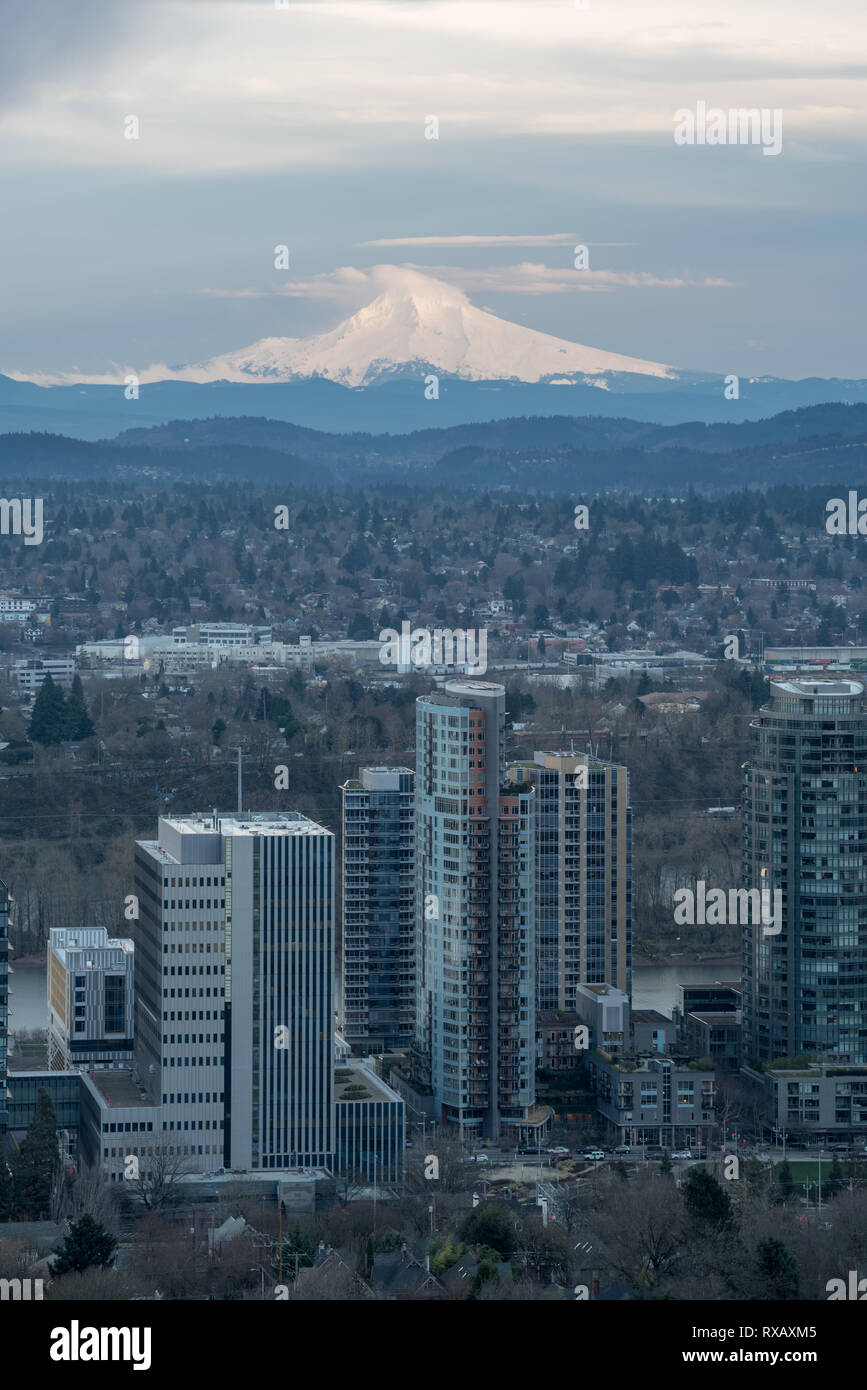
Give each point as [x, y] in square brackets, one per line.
[379, 909]
[4, 998]
[805, 834]
[583, 875]
[475, 915]
[115, 1003]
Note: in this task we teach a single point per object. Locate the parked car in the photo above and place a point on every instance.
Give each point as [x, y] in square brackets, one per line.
[622, 1149]
[593, 1155]
[558, 1151]
[478, 1158]
[682, 1153]
[838, 1148]
[530, 1149]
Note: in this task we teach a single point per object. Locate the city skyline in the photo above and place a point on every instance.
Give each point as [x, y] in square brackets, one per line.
[435, 430]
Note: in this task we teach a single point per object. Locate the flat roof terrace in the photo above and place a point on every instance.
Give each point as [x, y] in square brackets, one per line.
[245, 823]
[118, 1088]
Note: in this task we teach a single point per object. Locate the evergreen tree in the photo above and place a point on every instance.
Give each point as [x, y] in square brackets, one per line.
[784, 1179]
[361, 628]
[515, 589]
[78, 721]
[87, 1244]
[835, 1178]
[707, 1203]
[48, 722]
[489, 1225]
[299, 1252]
[36, 1164]
[777, 1269]
[7, 1196]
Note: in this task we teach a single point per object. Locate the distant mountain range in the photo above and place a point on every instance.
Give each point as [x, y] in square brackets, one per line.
[823, 445]
[372, 373]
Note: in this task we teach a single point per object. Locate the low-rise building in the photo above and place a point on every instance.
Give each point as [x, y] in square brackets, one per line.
[717, 1036]
[555, 1040]
[117, 1122]
[370, 1127]
[90, 999]
[30, 672]
[25, 611]
[664, 1101]
[605, 1010]
[721, 997]
[818, 1101]
[651, 1033]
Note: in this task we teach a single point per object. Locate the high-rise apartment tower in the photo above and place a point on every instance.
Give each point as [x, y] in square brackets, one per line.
[475, 960]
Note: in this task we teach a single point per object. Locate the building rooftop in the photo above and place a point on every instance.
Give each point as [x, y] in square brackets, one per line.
[244, 823]
[63, 939]
[840, 689]
[460, 694]
[357, 1073]
[472, 687]
[117, 1088]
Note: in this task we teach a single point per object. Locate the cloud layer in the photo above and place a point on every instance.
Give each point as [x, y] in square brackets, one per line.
[246, 84]
[349, 285]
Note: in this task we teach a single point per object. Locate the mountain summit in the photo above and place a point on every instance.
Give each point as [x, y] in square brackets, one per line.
[420, 321]
[416, 322]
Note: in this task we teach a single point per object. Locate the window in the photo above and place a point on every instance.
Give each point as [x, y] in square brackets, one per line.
[115, 1001]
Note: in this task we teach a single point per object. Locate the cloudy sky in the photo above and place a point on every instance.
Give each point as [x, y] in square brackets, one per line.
[303, 124]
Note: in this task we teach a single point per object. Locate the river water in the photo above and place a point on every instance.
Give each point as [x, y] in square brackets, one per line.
[655, 986]
[28, 999]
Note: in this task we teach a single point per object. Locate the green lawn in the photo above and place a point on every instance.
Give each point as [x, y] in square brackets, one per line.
[804, 1170]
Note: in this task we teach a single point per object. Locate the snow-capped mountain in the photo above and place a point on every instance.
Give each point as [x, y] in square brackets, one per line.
[416, 322]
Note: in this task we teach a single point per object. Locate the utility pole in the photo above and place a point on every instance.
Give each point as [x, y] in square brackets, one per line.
[240, 775]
